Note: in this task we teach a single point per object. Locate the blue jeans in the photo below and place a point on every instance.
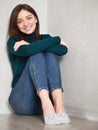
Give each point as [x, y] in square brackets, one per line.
[41, 72]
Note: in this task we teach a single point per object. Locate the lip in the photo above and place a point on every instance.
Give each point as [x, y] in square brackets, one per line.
[27, 28]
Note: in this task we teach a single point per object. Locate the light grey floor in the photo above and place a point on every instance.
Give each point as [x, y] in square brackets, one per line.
[15, 122]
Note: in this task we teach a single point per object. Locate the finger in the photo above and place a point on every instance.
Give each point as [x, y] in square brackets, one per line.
[16, 47]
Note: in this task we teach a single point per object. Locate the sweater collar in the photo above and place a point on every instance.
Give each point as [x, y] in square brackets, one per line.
[29, 37]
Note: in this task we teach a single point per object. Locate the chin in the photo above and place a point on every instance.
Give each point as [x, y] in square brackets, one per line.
[29, 32]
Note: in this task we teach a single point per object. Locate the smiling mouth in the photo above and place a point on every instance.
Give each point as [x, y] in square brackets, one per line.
[28, 28]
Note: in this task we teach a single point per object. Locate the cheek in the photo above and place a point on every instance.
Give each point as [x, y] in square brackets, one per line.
[34, 21]
[34, 26]
[19, 26]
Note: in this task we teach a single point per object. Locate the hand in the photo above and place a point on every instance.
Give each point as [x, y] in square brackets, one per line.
[64, 43]
[20, 43]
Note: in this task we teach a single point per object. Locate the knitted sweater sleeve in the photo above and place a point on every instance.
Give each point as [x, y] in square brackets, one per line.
[32, 48]
[57, 49]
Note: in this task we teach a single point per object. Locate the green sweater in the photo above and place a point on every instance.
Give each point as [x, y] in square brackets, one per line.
[19, 58]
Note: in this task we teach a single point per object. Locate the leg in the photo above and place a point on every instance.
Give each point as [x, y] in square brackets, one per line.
[23, 98]
[47, 105]
[54, 79]
[38, 75]
[58, 101]
[53, 72]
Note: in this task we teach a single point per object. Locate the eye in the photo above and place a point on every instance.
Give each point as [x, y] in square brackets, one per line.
[29, 18]
[19, 21]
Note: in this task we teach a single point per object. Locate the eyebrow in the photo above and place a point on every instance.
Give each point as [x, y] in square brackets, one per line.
[26, 16]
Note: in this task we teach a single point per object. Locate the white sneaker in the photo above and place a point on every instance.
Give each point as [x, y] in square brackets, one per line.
[52, 119]
[64, 118]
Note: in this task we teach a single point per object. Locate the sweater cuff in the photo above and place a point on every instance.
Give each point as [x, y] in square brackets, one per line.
[57, 39]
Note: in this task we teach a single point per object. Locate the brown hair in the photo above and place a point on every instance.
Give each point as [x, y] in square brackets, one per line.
[13, 28]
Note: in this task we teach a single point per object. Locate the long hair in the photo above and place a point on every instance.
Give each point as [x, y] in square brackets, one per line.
[13, 28]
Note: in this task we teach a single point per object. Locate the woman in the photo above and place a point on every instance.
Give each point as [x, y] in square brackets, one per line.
[36, 85]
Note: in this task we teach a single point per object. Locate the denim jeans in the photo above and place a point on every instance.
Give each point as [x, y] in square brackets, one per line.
[41, 72]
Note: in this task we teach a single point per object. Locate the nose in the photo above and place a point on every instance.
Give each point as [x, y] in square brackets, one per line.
[25, 23]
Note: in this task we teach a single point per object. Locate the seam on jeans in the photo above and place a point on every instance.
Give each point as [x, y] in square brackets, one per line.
[36, 83]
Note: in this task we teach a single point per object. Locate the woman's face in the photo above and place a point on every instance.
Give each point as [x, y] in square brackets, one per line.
[26, 22]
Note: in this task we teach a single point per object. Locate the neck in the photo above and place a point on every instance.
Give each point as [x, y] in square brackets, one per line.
[29, 37]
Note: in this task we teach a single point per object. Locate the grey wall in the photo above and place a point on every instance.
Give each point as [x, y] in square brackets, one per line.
[76, 21]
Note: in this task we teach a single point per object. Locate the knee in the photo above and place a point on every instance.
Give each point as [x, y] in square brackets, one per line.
[35, 57]
[36, 60]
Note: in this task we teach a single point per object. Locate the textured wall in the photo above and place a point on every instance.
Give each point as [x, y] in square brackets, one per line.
[76, 21]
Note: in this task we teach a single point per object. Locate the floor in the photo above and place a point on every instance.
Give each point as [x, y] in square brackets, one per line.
[15, 122]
